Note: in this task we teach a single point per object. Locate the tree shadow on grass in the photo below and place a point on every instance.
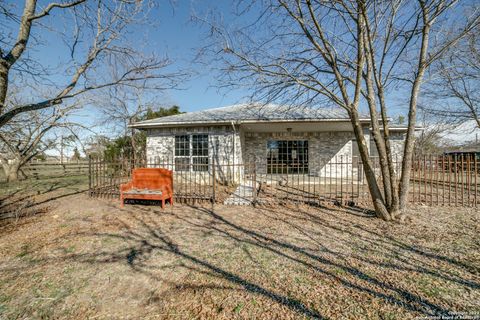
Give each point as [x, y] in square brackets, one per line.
[375, 238]
[152, 236]
[146, 236]
[401, 297]
[12, 207]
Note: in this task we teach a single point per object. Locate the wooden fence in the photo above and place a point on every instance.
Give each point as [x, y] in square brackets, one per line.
[39, 170]
[435, 180]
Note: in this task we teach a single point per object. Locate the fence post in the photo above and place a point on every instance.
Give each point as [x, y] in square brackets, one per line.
[254, 184]
[214, 182]
[341, 179]
[90, 175]
[475, 167]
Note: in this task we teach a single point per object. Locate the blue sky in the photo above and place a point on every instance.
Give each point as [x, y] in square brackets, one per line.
[174, 35]
[180, 38]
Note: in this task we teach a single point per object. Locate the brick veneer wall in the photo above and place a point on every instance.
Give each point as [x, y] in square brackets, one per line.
[326, 150]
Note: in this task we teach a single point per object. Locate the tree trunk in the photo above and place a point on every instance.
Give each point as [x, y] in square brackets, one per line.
[11, 169]
[11, 57]
[377, 137]
[12, 176]
[388, 150]
[3, 84]
[377, 198]
[404, 184]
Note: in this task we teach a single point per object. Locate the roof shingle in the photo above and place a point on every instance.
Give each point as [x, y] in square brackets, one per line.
[248, 113]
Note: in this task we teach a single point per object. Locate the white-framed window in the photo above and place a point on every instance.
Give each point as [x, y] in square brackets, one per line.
[191, 152]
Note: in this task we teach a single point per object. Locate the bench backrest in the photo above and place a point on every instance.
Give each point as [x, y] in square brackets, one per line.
[153, 178]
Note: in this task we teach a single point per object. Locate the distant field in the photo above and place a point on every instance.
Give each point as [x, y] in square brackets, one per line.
[44, 185]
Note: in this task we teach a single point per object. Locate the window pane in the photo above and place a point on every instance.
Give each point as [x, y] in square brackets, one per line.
[182, 164]
[200, 145]
[200, 163]
[182, 146]
[287, 156]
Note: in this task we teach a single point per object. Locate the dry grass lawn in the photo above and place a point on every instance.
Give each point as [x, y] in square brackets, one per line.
[87, 258]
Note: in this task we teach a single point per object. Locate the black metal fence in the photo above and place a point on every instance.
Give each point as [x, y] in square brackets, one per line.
[435, 180]
[192, 182]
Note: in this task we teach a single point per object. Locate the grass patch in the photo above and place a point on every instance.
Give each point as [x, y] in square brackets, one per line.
[24, 250]
[190, 262]
[238, 308]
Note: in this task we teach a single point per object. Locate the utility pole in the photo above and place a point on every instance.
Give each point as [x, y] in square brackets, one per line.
[61, 149]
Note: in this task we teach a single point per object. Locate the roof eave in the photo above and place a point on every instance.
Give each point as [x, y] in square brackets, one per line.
[229, 122]
[401, 129]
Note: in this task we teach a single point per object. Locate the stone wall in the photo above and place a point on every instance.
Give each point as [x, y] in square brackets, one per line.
[329, 153]
[397, 141]
[224, 143]
[225, 148]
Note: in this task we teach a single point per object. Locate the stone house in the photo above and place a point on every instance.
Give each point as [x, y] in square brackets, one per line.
[275, 139]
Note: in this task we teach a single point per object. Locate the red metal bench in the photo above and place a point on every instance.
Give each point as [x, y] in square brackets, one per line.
[149, 184]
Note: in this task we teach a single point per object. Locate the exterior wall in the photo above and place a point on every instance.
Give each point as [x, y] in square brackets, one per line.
[224, 143]
[397, 142]
[329, 153]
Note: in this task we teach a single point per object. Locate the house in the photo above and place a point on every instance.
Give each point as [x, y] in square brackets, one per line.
[276, 139]
[464, 152]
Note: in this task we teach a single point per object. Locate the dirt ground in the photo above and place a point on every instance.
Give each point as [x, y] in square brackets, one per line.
[89, 259]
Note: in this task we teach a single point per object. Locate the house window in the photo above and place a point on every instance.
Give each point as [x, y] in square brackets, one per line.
[200, 152]
[191, 152]
[287, 156]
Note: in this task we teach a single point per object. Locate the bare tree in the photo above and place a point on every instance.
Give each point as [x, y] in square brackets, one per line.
[119, 107]
[431, 140]
[453, 93]
[100, 52]
[343, 53]
[30, 134]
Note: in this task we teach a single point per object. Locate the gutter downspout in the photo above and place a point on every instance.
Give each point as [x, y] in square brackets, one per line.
[233, 147]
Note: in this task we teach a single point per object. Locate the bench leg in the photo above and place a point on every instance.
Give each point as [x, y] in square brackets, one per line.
[171, 201]
[121, 202]
[163, 203]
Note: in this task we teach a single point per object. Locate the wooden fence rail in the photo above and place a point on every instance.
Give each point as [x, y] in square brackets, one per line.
[41, 170]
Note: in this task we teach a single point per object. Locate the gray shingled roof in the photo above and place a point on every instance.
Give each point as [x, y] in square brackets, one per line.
[247, 113]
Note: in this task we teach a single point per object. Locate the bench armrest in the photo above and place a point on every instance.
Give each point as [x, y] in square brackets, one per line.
[167, 191]
[126, 186]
